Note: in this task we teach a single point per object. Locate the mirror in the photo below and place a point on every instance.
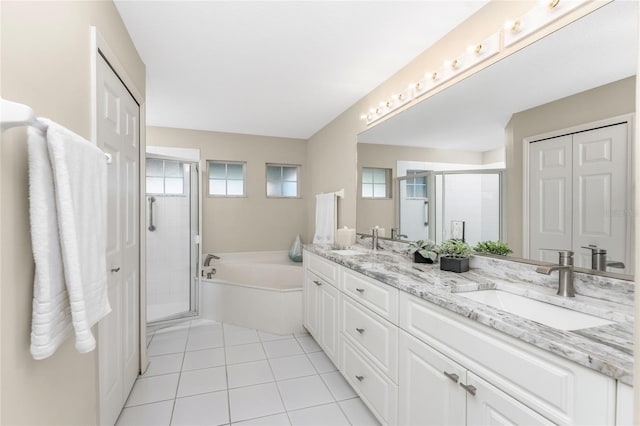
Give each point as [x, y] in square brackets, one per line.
[578, 78]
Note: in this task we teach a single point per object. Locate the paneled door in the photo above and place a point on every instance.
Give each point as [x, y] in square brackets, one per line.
[550, 195]
[118, 342]
[578, 195]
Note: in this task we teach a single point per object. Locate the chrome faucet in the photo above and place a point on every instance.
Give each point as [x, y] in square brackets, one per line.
[209, 258]
[374, 238]
[565, 273]
[599, 259]
[395, 234]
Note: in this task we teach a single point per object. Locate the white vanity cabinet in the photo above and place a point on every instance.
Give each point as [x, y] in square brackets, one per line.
[322, 304]
[435, 390]
[522, 375]
[415, 363]
[370, 342]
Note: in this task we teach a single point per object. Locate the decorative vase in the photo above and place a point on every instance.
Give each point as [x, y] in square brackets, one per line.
[418, 258]
[454, 263]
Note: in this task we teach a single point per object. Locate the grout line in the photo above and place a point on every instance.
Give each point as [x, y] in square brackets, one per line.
[276, 384]
[226, 364]
[226, 372]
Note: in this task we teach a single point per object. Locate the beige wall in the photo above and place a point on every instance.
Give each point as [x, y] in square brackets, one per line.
[332, 150]
[603, 102]
[45, 63]
[253, 223]
[370, 212]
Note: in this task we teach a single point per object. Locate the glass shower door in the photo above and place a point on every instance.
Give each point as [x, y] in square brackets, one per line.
[172, 229]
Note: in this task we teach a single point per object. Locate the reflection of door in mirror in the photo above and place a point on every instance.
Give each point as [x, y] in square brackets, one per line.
[414, 205]
[579, 196]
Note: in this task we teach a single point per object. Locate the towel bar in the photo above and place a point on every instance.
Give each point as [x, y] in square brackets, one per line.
[13, 114]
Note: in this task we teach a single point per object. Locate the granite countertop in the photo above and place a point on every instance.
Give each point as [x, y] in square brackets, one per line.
[607, 349]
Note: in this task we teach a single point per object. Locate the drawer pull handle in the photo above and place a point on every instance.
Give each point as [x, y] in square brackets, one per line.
[316, 282]
[360, 378]
[360, 330]
[360, 290]
[469, 388]
[453, 376]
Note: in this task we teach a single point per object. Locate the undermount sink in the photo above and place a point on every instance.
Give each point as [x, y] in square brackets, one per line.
[534, 310]
[347, 252]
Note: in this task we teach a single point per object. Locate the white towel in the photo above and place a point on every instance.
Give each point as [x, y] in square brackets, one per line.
[326, 220]
[79, 179]
[51, 316]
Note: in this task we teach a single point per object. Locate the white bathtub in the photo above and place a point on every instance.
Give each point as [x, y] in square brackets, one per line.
[261, 290]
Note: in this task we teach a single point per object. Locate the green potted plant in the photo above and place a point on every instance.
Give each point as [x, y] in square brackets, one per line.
[493, 247]
[454, 256]
[424, 251]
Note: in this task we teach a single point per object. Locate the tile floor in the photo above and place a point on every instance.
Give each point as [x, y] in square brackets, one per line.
[206, 373]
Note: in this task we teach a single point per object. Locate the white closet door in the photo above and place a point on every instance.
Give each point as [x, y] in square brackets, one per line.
[118, 347]
[600, 193]
[550, 197]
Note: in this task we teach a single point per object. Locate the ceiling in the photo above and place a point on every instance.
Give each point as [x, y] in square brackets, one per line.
[472, 115]
[276, 68]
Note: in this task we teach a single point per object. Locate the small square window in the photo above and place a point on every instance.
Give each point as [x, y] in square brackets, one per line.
[417, 186]
[226, 178]
[282, 180]
[165, 177]
[376, 183]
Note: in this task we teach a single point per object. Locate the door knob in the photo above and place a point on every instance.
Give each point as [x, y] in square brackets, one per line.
[360, 330]
[115, 269]
[360, 378]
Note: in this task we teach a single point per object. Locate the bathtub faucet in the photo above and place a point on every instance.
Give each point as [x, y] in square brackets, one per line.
[209, 258]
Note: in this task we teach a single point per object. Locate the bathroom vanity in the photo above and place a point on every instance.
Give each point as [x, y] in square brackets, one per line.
[495, 345]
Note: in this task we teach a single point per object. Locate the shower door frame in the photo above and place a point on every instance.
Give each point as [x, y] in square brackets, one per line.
[195, 246]
[436, 193]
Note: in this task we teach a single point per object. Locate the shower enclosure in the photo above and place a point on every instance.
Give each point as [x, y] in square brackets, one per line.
[172, 238]
[463, 204]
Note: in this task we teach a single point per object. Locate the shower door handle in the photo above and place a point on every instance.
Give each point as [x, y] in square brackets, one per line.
[152, 226]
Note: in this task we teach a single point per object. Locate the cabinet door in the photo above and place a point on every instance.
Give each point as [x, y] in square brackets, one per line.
[487, 405]
[429, 388]
[311, 302]
[329, 321]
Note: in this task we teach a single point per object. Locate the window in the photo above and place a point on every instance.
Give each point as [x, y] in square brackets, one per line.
[226, 178]
[165, 177]
[417, 186]
[375, 183]
[282, 180]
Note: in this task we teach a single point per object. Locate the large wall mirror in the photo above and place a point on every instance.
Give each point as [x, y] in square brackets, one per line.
[557, 116]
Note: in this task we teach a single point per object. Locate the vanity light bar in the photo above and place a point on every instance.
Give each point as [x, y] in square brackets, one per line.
[544, 13]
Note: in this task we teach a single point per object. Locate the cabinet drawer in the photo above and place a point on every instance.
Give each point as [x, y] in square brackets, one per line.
[322, 267]
[376, 390]
[560, 390]
[380, 298]
[374, 336]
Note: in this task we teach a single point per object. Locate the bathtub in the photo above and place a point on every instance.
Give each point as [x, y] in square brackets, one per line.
[261, 290]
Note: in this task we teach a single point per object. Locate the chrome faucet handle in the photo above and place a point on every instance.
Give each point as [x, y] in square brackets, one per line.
[565, 257]
[594, 249]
